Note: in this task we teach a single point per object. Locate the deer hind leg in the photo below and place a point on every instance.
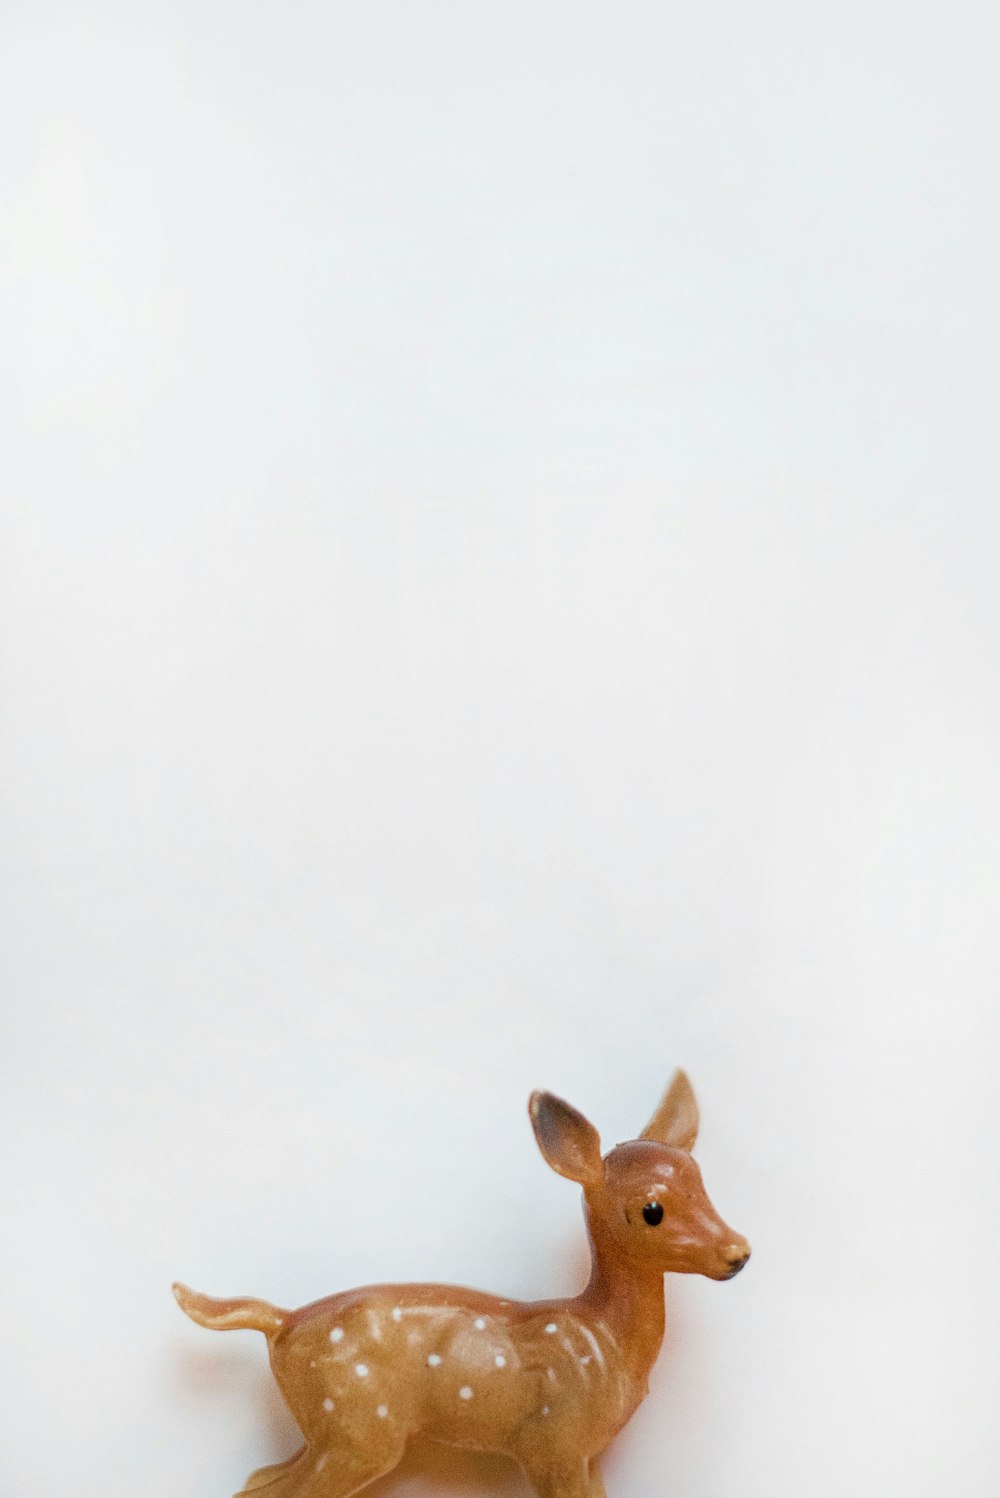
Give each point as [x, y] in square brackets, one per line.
[265, 1475]
[267, 1478]
[321, 1474]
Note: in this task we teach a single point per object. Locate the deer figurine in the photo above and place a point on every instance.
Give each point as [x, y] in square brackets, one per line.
[548, 1382]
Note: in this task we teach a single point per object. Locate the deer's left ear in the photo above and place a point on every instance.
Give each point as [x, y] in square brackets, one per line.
[569, 1142]
[675, 1121]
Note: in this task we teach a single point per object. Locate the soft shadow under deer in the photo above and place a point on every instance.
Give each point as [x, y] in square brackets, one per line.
[548, 1382]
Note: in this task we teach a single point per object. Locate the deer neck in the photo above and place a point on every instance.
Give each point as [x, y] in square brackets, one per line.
[629, 1300]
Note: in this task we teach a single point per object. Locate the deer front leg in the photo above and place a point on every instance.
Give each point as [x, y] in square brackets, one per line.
[562, 1482]
[596, 1481]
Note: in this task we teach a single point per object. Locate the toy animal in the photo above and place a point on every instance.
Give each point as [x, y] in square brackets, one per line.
[547, 1382]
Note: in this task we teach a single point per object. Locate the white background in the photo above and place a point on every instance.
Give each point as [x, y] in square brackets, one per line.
[499, 546]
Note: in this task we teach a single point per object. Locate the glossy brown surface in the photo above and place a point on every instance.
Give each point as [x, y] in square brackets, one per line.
[548, 1383]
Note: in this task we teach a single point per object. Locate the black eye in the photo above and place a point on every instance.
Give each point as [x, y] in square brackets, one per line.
[653, 1213]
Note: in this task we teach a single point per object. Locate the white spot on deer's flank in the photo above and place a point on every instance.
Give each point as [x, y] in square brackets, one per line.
[479, 1324]
[322, 1462]
[551, 1328]
[434, 1361]
[328, 1406]
[337, 1335]
[397, 1314]
[545, 1409]
[361, 1369]
[594, 1344]
[465, 1392]
[585, 1359]
[382, 1411]
[500, 1360]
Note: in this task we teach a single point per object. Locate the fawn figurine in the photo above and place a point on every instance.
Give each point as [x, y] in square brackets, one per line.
[548, 1382]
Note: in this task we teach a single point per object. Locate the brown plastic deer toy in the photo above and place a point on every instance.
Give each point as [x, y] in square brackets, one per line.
[547, 1382]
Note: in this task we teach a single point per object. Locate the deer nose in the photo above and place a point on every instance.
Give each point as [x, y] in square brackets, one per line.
[735, 1255]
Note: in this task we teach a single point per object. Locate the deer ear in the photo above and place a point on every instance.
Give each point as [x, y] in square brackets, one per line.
[676, 1119]
[569, 1143]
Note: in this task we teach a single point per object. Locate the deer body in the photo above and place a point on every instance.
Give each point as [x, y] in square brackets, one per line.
[548, 1383]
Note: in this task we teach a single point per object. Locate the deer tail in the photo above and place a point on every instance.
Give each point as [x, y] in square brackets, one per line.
[229, 1315]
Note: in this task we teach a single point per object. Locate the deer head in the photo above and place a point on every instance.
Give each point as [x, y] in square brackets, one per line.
[645, 1202]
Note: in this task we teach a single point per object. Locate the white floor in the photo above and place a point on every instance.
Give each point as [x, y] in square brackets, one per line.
[499, 588]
